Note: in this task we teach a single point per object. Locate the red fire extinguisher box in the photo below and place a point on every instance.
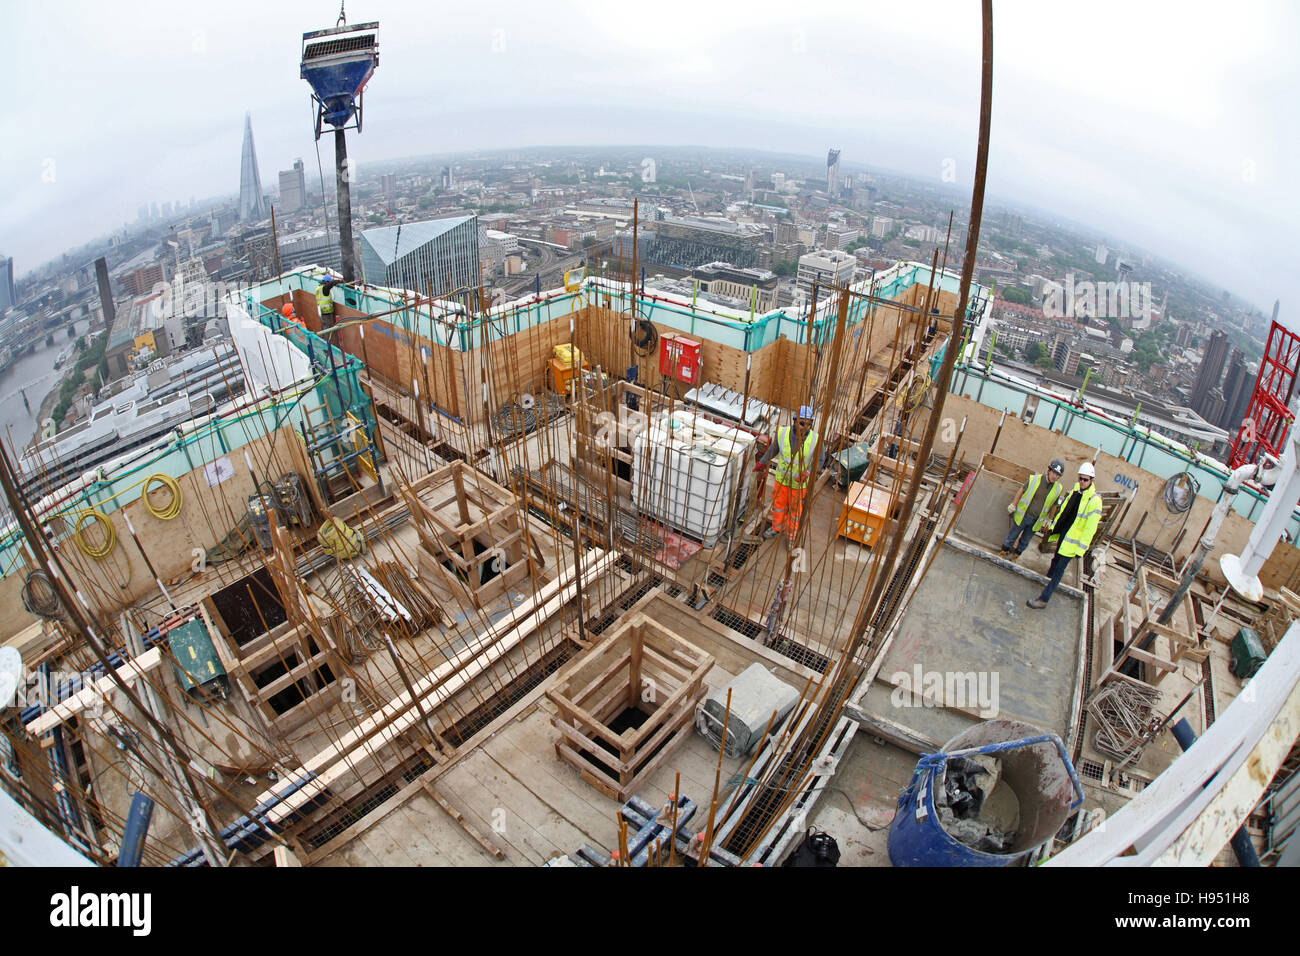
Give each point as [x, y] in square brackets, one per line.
[679, 358]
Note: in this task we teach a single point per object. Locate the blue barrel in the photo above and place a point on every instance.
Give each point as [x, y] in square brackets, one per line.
[1034, 765]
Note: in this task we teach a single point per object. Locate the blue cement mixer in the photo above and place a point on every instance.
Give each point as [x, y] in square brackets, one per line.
[1038, 782]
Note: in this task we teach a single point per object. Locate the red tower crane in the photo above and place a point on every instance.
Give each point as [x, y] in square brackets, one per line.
[1268, 418]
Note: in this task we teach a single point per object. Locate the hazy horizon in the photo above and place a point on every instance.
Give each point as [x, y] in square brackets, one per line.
[1167, 128]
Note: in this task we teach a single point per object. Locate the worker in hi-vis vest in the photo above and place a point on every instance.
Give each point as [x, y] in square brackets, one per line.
[793, 450]
[1075, 525]
[1030, 507]
[325, 302]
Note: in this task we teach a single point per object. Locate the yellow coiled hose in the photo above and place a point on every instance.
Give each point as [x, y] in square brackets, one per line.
[103, 550]
[173, 507]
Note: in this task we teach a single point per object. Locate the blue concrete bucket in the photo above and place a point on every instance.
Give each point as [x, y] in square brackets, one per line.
[1043, 790]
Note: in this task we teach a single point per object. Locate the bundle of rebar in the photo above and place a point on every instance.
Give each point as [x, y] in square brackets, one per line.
[398, 582]
[1124, 713]
[513, 419]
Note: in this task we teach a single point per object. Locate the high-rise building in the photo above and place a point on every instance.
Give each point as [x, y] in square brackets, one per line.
[1238, 387]
[1210, 374]
[388, 185]
[441, 254]
[293, 188]
[833, 173]
[840, 236]
[826, 267]
[8, 295]
[251, 204]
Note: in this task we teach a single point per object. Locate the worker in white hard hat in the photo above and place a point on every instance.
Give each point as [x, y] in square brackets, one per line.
[793, 449]
[1030, 508]
[1072, 532]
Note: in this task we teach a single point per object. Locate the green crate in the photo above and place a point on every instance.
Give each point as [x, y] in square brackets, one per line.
[851, 463]
[1247, 654]
[197, 667]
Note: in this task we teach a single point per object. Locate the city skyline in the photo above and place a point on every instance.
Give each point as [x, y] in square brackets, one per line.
[1178, 152]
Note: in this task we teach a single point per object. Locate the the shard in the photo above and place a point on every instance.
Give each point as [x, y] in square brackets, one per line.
[252, 204]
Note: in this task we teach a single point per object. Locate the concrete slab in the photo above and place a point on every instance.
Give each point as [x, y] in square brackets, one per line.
[859, 805]
[967, 630]
[984, 518]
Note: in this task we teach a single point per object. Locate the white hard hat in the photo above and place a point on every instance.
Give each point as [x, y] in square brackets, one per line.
[1086, 470]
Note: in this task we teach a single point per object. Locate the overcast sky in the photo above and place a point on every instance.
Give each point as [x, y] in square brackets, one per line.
[1173, 126]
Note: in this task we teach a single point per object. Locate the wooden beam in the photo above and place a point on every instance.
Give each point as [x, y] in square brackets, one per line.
[69, 708]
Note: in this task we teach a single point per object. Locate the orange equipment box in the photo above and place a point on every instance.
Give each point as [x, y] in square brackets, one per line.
[562, 374]
[865, 513]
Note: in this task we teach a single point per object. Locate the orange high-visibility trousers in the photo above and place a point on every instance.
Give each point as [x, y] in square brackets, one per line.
[787, 507]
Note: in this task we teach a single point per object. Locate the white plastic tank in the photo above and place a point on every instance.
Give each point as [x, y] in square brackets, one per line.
[689, 473]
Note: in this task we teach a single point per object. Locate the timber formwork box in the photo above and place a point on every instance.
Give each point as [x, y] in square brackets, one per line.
[643, 668]
[471, 534]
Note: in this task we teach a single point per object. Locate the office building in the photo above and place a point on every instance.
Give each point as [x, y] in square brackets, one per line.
[753, 287]
[442, 254]
[8, 294]
[826, 267]
[293, 188]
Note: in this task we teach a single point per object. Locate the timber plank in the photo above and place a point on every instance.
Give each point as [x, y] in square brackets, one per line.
[385, 848]
[481, 790]
[428, 840]
[477, 806]
[551, 782]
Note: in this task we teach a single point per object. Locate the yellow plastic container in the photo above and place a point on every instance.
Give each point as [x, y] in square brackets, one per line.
[568, 354]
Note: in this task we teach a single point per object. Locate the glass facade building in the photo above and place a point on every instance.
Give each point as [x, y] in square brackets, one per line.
[442, 254]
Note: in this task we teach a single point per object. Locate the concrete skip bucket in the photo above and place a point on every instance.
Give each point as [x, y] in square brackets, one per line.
[990, 797]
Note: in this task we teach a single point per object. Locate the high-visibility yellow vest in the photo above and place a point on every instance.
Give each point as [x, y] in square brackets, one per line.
[324, 303]
[787, 470]
[1078, 538]
[1022, 505]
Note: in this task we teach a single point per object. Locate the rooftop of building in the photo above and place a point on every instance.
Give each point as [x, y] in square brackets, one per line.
[758, 275]
[712, 225]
